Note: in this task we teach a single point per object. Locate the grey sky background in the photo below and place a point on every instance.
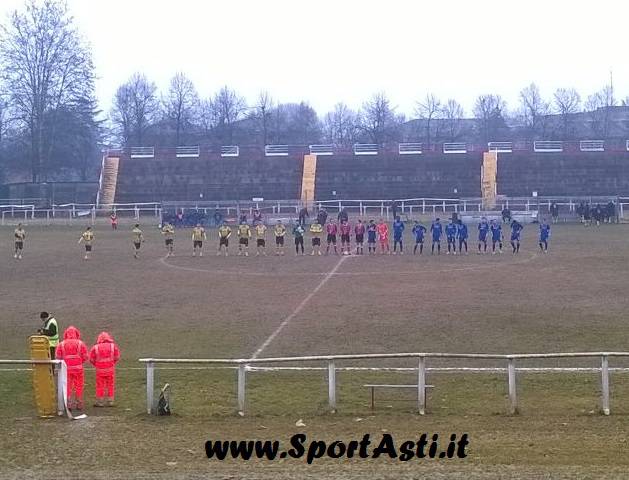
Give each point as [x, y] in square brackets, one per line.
[327, 51]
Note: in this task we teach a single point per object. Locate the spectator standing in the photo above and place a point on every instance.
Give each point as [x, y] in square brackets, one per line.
[51, 330]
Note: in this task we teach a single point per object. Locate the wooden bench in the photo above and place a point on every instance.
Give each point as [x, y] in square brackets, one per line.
[374, 386]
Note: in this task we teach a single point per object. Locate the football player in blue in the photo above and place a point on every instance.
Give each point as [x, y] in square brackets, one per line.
[544, 236]
[516, 231]
[483, 230]
[462, 234]
[451, 230]
[419, 231]
[437, 230]
[398, 232]
[496, 236]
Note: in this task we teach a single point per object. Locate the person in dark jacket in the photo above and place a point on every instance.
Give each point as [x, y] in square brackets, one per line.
[51, 330]
[322, 216]
[303, 214]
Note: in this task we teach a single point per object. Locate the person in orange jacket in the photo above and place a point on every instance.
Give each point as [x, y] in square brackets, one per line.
[74, 352]
[104, 356]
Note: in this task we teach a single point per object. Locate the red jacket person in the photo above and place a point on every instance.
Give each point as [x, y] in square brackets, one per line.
[104, 356]
[74, 352]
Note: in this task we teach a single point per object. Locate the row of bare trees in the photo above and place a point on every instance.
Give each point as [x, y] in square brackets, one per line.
[143, 116]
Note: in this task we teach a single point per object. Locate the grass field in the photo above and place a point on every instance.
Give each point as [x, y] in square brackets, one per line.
[573, 299]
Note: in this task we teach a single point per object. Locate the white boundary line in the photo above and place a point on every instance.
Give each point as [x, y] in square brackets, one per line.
[299, 308]
[163, 261]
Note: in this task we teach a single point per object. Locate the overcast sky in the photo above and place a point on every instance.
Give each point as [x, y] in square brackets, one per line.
[326, 51]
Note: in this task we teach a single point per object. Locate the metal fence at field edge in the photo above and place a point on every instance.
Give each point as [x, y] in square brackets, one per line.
[381, 208]
[409, 206]
[244, 364]
[61, 377]
[71, 212]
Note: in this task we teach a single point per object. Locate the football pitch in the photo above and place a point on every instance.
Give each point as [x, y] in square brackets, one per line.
[573, 299]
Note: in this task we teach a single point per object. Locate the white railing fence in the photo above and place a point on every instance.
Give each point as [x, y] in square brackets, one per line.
[276, 150]
[230, 151]
[61, 377]
[187, 151]
[547, 146]
[410, 148]
[500, 147]
[245, 365]
[327, 149]
[142, 152]
[455, 148]
[68, 213]
[366, 149]
[592, 145]
[409, 208]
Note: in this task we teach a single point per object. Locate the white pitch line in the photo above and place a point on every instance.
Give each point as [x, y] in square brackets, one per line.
[299, 308]
[163, 261]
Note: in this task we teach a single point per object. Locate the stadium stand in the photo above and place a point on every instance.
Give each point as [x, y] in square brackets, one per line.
[244, 173]
[563, 174]
[209, 176]
[389, 176]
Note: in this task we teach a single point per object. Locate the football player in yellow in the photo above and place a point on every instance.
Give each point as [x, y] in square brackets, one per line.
[20, 235]
[316, 230]
[260, 239]
[224, 232]
[138, 240]
[169, 238]
[198, 235]
[244, 234]
[280, 233]
[87, 237]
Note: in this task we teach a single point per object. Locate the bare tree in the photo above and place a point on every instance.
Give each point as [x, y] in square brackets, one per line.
[4, 116]
[181, 105]
[378, 120]
[428, 110]
[304, 126]
[452, 113]
[599, 106]
[263, 114]
[135, 109]
[122, 114]
[279, 124]
[227, 107]
[567, 103]
[46, 68]
[206, 117]
[489, 114]
[340, 126]
[534, 110]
